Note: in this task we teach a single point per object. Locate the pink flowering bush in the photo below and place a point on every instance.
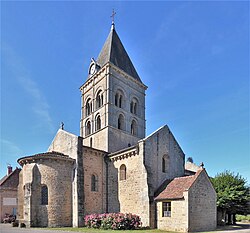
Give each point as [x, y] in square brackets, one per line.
[114, 221]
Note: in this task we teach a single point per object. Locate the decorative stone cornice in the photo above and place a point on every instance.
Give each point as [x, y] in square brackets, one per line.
[42, 156]
[94, 150]
[125, 75]
[93, 80]
[124, 154]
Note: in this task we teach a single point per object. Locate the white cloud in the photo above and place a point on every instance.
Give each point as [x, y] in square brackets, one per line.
[39, 104]
[10, 149]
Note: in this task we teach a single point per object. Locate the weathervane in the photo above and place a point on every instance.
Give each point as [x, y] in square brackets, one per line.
[113, 17]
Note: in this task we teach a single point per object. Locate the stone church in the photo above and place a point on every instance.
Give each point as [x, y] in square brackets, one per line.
[112, 166]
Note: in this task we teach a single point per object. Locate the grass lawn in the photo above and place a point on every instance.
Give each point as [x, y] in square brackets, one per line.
[233, 228]
[91, 230]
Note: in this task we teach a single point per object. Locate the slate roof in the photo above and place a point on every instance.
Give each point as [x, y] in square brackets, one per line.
[175, 189]
[114, 52]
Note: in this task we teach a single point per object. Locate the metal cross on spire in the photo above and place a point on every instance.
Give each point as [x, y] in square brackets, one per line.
[113, 17]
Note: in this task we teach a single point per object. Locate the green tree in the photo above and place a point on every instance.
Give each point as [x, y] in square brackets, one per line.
[232, 194]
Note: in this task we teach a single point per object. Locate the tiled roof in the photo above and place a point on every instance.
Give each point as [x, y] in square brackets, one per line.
[114, 52]
[177, 186]
[6, 177]
[3, 179]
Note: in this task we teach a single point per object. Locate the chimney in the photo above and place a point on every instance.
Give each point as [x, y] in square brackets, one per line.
[9, 169]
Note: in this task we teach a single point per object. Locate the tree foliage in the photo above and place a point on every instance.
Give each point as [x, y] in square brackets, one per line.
[190, 159]
[232, 192]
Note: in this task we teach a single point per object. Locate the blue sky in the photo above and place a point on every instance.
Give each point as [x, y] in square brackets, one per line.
[193, 56]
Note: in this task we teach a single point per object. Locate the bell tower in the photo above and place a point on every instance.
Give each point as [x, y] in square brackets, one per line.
[113, 100]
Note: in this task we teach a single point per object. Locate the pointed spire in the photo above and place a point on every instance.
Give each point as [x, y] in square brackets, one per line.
[113, 51]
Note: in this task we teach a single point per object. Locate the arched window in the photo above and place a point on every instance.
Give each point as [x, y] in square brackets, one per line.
[91, 142]
[133, 128]
[88, 107]
[98, 122]
[88, 128]
[121, 124]
[165, 163]
[99, 99]
[119, 99]
[44, 195]
[133, 106]
[123, 172]
[94, 183]
[116, 99]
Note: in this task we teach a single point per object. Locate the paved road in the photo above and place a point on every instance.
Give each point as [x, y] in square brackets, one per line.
[240, 227]
[6, 228]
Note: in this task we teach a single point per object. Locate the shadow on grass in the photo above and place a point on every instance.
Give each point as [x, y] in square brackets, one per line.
[237, 227]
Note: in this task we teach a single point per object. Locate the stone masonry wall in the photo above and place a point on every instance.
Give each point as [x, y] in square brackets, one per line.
[20, 195]
[8, 194]
[89, 91]
[130, 89]
[109, 80]
[24, 190]
[64, 142]
[70, 144]
[162, 143]
[179, 216]
[133, 191]
[57, 175]
[119, 139]
[191, 166]
[99, 139]
[158, 145]
[202, 204]
[94, 201]
[113, 199]
[7, 208]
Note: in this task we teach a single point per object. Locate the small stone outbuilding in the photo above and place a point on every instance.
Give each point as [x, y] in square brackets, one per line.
[187, 204]
[8, 192]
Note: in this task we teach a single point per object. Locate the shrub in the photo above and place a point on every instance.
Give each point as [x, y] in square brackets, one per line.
[114, 221]
[14, 224]
[22, 225]
[240, 218]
